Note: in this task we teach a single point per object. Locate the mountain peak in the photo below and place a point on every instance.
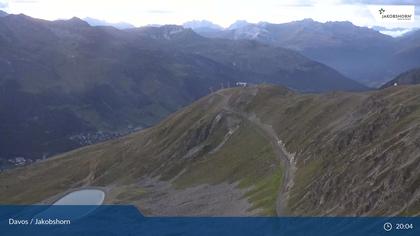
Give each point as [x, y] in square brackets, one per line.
[197, 24]
[238, 24]
[97, 22]
[3, 13]
[308, 20]
[74, 21]
[172, 29]
[77, 20]
[165, 32]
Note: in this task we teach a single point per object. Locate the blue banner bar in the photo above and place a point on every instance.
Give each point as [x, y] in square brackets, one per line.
[127, 220]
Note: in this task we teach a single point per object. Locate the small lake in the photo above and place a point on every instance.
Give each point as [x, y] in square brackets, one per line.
[74, 205]
[82, 197]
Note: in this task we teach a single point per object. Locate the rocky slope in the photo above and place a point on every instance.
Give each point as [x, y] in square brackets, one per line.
[252, 151]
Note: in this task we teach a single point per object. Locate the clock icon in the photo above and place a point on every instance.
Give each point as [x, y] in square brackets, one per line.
[387, 226]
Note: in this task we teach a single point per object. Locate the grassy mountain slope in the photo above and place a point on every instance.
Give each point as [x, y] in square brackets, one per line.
[347, 153]
[194, 142]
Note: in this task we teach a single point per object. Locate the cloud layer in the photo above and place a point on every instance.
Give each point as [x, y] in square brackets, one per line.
[222, 12]
[3, 4]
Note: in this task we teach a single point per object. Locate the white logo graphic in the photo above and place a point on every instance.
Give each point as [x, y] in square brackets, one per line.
[393, 13]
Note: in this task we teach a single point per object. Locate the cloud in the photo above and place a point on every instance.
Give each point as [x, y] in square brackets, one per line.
[4, 4]
[159, 12]
[298, 3]
[25, 1]
[382, 2]
[222, 12]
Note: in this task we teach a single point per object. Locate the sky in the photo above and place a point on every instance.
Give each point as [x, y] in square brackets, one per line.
[222, 12]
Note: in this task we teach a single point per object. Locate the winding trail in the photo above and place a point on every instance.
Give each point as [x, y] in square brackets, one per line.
[287, 159]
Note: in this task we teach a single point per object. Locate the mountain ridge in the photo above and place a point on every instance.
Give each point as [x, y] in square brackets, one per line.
[411, 77]
[360, 53]
[118, 25]
[108, 82]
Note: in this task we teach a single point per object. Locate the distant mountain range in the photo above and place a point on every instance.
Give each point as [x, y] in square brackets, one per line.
[201, 25]
[262, 150]
[360, 53]
[64, 83]
[394, 32]
[118, 25]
